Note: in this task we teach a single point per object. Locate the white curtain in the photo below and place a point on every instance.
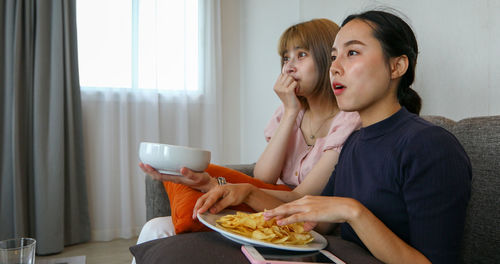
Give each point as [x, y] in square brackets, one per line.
[116, 120]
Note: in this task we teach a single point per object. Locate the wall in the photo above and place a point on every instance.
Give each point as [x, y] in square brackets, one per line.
[230, 13]
[457, 71]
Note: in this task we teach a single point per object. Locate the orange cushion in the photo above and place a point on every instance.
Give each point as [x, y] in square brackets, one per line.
[183, 198]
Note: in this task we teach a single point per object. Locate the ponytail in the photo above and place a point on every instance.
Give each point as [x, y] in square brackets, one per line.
[410, 99]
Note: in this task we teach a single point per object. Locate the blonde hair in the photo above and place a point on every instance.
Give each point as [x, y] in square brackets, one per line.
[316, 36]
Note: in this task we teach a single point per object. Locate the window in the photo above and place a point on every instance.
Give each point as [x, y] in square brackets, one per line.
[138, 44]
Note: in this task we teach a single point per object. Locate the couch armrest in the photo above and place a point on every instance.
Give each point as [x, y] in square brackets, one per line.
[157, 203]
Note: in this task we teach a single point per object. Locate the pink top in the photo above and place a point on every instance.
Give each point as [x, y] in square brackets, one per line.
[301, 157]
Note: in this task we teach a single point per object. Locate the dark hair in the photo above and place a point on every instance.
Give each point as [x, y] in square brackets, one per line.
[316, 36]
[396, 38]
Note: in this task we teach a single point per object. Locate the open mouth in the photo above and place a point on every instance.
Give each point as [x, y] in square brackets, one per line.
[337, 86]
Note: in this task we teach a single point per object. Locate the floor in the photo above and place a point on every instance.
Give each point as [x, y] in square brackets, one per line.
[112, 252]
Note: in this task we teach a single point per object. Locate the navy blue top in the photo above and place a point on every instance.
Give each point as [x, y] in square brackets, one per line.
[414, 176]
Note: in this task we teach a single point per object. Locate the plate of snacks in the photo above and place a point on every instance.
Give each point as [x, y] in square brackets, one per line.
[252, 229]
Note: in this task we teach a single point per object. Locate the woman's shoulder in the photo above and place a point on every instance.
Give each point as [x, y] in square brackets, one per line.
[419, 128]
[343, 125]
[421, 133]
[349, 120]
[348, 115]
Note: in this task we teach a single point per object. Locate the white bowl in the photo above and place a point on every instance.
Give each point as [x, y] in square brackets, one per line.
[169, 159]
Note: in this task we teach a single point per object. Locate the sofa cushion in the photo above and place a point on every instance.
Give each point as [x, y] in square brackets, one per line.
[480, 137]
[211, 247]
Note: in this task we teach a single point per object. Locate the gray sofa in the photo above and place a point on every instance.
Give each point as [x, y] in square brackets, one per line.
[480, 137]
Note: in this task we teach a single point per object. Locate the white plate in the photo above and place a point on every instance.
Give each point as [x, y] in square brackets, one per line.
[209, 220]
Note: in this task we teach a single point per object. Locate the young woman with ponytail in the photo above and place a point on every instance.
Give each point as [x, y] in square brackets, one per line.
[402, 184]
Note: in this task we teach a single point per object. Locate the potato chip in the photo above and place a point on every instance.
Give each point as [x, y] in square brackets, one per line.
[254, 226]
